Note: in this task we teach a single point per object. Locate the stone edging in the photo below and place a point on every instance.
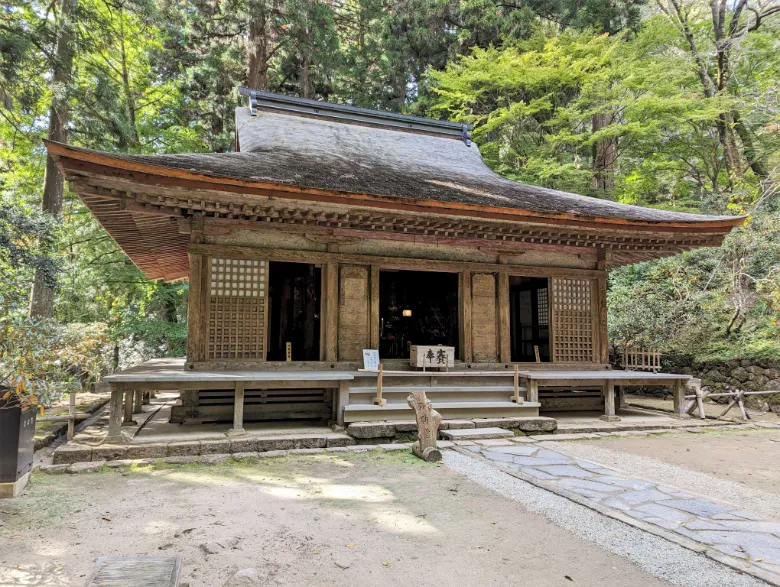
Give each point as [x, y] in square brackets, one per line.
[690, 544]
[79, 453]
[214, 459]
[60, 430]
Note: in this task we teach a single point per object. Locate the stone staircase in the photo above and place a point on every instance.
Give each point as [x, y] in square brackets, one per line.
[452, 397]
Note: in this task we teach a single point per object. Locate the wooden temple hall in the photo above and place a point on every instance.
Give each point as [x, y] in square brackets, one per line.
[333, 229]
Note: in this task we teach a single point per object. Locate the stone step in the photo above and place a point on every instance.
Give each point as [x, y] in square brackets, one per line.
[441, 406]
[437, 389]
[476, 434]
[358, 412]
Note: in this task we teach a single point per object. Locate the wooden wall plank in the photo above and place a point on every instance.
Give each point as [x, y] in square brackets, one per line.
[504, 330]
[331, 306]
[484, 319]
[374, 302]
[354, 292]
[464, 303]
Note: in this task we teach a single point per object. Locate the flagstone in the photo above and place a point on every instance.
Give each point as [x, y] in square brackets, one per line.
[565, 471]
[639, 496]
[516, 450]
[695, 506]
[663, 512]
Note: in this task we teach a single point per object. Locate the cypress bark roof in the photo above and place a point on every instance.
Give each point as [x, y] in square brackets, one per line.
[293, 150]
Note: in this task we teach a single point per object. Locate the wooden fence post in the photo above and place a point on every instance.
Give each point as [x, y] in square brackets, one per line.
[379, 400]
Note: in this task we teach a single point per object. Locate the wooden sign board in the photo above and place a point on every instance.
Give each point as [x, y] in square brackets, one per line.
[370, 359]
[432, 356]
[288, 350]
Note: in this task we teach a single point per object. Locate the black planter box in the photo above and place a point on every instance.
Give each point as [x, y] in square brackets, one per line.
[17, 443]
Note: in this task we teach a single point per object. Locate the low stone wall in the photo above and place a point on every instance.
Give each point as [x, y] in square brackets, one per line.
[723, 376]
[755, 375]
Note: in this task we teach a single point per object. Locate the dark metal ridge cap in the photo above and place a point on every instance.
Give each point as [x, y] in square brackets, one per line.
[315, 108]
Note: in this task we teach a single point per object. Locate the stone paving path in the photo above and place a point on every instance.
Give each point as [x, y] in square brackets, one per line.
[725, 528]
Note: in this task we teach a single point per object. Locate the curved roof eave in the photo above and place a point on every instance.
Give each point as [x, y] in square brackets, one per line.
[158, 173]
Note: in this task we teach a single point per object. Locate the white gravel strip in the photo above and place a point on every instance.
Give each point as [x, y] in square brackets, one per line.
[753, 500]
[659, 557]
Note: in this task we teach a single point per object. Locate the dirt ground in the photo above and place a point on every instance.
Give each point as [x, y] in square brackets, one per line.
[747, 457]
[336, 519]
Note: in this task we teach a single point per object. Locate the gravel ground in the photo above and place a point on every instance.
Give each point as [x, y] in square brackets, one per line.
[655, 555]
[754, 500]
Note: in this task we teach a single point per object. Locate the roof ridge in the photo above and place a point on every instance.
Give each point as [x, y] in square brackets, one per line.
[269, 101]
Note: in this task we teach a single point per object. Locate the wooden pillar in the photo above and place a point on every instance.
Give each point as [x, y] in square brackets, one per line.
[115, 416]
[342, 402]
[533, 390]
[679, 399]
[464, 301]
[238, 411]
[504, 330]
[128, 417]
[609, 402]
[373, 314]
[195, 310]
[71, 415]
[331, 323]
[604, 263]
[138, 402]
[147, 398]
[621, 397]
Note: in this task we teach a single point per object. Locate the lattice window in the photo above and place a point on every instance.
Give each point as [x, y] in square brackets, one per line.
[543, 307]
[237, 309]
[572, 320]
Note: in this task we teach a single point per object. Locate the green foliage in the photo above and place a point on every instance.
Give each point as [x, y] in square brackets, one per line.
[582, 95]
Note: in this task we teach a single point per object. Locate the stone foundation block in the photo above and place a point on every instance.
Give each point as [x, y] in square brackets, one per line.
[72, 453]
[364, 447]
[491, 423]
[181, 460]
[86, 467]
[455, 425]
[394, 447]
[212, 447]
[147, 451]
[184, 449]
[54, 469]
[273, 454]
[405, 426]
[108, 452]
[371, 430]
[536, 424]
[214, 459]
[119, 463]
[247, 444]
[374, 441]
[307, 451]
[237, 456]
[339, 440]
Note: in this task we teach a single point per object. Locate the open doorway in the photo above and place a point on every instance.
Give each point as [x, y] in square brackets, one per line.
[294, 317]
[416, 307]
[529, 310]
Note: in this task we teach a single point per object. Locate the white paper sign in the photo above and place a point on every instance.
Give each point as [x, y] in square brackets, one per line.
[371, 359]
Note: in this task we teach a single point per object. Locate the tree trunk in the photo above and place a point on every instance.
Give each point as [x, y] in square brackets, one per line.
[604, 155]
[133, 138]
[42, 294]
[257, 53]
